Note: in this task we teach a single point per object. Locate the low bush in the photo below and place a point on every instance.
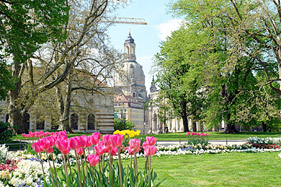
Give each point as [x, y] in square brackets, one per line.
[6, 132]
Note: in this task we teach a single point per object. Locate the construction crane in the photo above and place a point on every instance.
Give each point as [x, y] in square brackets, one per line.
[121, 20]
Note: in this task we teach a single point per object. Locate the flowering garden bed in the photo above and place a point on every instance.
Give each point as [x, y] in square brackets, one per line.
[56, 160]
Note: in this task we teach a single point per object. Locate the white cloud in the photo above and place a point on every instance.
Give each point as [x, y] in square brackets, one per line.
[165, 29]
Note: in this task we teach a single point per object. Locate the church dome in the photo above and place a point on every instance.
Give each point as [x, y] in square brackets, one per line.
[129, 39]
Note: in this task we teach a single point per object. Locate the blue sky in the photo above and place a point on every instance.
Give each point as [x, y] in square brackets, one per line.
[147, 37]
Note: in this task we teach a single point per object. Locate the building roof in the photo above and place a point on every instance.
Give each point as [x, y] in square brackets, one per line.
[129, 39]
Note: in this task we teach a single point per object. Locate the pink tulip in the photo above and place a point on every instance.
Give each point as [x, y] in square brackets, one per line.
[150, 150]
[130, 151]
[99, 149]
[151, 140]
[135, 144]
[82, 140]
[66, 151]
[188, 134]
[88, 143]
[93, 159]
[23, 134]
[97, 135]
[144, 144]
[112, 151]
[50, 150]
[37, 147]
[94, 139]
[107, 140]
[46, 144]
[117, 140]
[73, 143]
[61, 144]
[79, 151]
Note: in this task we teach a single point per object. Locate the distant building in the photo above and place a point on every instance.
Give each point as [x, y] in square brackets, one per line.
[89, 112]
[130, 88]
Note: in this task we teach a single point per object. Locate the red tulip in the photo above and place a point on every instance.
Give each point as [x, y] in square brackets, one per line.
[88, 143]
[150, 150]
[135, 144]
[117, 140]
[151, 140]
[144, 144]
[79, 151]
[37, 147]
[74, 143]
[50, 150]
[94, 139]
[112, 151]
[82, 140]
[66, 151]
[93, 159]
[130, 151]
[62, 144]
[97, 135]
[99, 149]
[107, 140]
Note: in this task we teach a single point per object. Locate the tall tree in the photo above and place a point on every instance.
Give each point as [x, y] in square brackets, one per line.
[55, 59]
[245, 35]
[178, 77]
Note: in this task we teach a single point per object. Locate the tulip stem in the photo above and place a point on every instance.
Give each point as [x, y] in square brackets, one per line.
[55, 170]
[85, 162]
[50, 169]
[69, 167]
[111, 177]
[149, 175]
[65, 169]
[83, 168]
[136, 168]
[146, 162]
[78, 168]
[120, 166]
[93, 176]
[100, 171]
[41, 165]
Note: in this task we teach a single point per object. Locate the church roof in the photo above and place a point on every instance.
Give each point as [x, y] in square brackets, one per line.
[129, 39]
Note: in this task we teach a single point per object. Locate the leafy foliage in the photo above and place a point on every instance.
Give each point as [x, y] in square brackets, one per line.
[120, 124]
[6, 132]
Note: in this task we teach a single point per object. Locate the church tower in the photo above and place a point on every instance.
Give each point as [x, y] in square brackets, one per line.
[130, 49]
[130, 79]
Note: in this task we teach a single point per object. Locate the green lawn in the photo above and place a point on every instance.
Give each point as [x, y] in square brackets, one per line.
[217, 135]
[232, 169]
[182, 136]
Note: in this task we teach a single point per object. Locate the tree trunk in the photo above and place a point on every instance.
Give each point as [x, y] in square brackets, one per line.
[64, 119]
[264, 126]
[194, 126]
[230, 128]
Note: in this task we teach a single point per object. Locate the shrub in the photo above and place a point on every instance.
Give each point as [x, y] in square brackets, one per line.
[6, 132]
[119, 124]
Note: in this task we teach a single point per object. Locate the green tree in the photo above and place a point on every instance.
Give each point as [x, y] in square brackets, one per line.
[121, 124]
[178, 75]
[245, 38]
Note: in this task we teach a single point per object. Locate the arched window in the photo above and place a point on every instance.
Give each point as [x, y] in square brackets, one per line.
[127, 50]
[132, 50]
[7, 118]
[131, 66]
[74, 121]
[91, 122]
[40, 125]
[26, 121]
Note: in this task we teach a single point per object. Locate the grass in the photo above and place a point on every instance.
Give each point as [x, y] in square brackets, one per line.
[182, 136]
[232, 169]
[217, 136]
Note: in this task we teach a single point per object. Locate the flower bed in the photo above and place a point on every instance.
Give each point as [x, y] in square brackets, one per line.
[76, 164]
[267, 143]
